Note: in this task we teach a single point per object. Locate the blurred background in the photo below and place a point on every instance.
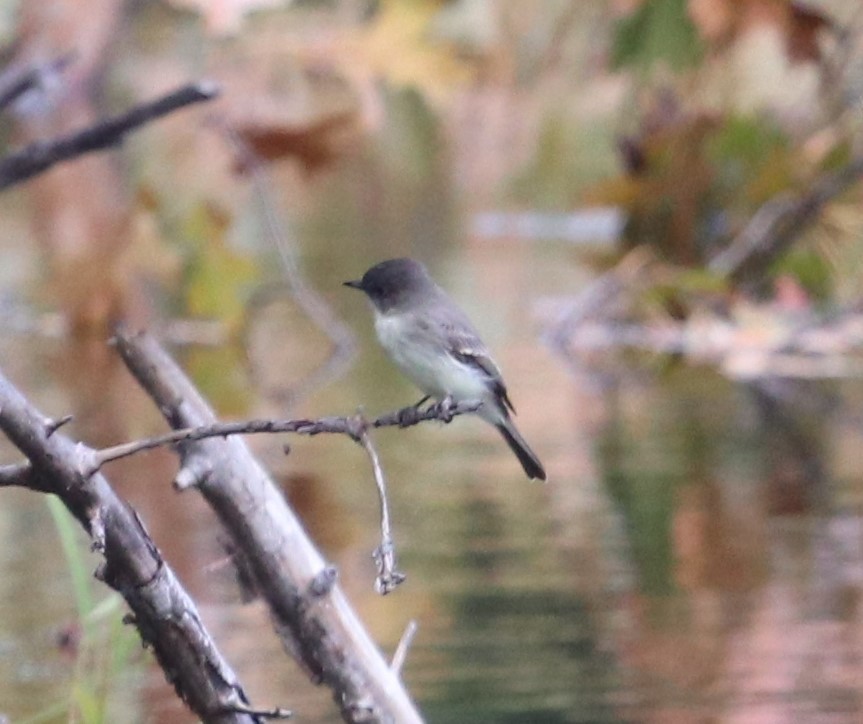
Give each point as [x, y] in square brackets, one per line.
[650, 210]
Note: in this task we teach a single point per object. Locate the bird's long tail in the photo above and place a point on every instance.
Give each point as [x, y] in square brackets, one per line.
[528, 459]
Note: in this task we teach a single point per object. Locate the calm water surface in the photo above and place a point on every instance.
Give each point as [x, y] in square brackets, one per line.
[694, 557]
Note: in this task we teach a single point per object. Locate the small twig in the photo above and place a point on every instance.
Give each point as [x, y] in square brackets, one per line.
[327, 637]
[239, 707]
[404, 644]
[409, 416]
[16, 83]
[51, 426]
[39, 156]
[306, 297]
[356, 427]
[388, 577]
[350, 426]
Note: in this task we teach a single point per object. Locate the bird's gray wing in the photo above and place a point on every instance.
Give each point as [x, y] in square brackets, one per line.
[464, 344]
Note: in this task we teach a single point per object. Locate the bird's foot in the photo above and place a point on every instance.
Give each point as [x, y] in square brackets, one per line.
[408, 416]
[444, 409]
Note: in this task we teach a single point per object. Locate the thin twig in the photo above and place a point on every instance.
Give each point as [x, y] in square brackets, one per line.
[356, 427]
[404, 644]
[388, 577]
[352, 426]
[17, 82]
[240, 707]
[306, 297]
[38, 157]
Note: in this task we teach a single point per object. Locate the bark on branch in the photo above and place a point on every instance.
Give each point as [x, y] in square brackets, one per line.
[38, 157]
[311, 614]
[163, 612]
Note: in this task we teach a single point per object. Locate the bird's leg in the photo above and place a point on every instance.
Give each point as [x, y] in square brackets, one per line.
[445, 407]
[408, 415]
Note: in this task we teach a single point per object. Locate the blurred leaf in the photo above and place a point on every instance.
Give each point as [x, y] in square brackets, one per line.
[398, 46]
[810, 269]
[803, 27]
[748, 138]
[657, 31]
[224, 17]
[217, 279]
[73, 546]
[89, 706]
[670, 183]
[754, 161]
[721, 22]
[315, 144]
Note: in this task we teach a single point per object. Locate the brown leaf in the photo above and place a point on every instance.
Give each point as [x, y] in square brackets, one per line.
[316, 143]
[723, 21]
[803, 26]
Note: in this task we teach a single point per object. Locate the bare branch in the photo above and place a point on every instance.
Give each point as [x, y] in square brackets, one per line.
[388, 577]
[241, 707]
[163, 612]
[308, 607]
[353, 427]
[778, 224]
[38, 157]
[16, 82]
[404, 644]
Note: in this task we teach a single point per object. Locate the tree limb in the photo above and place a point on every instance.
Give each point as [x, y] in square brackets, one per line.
[40, 156]
[309, 609]
[16, 82]
[354, 427]
[163, 612]
[778, 224]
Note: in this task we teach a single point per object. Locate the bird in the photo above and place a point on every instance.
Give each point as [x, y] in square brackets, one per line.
[433, 343]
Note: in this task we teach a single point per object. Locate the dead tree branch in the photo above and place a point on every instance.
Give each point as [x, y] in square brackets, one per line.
[15, 82]
[388, 578]
[778, 224]
[162, 611]
[310, 611]
[40, 156]
[354, 427]
[401, 654]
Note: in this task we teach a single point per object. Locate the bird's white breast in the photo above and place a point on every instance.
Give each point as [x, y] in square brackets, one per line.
[422, 357]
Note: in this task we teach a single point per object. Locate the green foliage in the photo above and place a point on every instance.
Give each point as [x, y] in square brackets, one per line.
[811, 269]
[103, 656]
[217, 279]
[567, 155]
[753, 160]
[659, 31]
[67, 531]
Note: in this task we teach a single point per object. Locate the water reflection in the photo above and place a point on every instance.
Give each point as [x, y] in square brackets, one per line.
[696, 555]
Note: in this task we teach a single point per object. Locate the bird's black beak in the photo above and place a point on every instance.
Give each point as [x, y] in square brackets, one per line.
[355, 284]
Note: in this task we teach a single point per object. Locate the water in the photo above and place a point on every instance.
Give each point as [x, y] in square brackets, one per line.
[695, 555]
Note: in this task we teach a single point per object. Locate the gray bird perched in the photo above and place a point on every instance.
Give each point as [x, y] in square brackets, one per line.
[435, 346]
